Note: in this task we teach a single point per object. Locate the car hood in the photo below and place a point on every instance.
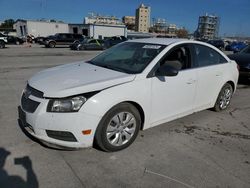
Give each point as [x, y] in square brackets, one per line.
[241, 58]
[76, 78]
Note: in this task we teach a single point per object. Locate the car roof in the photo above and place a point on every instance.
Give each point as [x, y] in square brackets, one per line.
[161, 41]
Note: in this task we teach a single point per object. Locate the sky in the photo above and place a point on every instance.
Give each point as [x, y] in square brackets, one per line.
[234, 14]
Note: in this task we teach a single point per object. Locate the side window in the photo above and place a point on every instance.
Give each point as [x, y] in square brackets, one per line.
[181, 54]
[69, 36]
[206, 56]
[62, 36]
[92, 42]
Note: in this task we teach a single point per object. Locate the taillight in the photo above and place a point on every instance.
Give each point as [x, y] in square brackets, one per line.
[238, 67]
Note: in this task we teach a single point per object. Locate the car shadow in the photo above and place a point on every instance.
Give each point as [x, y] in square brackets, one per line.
[9, 181]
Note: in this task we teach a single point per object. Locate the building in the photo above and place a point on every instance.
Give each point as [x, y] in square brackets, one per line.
[142, 18]
[129, 21]
[159, 26]
[99, 19]
[208, 27]
[172, 29]
[46, 28]
[39, 28]
[98, 31]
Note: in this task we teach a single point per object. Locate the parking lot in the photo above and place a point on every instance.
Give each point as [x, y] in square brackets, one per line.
[205, 149]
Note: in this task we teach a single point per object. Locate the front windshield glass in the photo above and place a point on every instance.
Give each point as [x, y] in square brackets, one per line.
[129, 57]
[246, 50]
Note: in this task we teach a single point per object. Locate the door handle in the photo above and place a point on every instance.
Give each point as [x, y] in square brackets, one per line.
[218, 73]
[191, 81]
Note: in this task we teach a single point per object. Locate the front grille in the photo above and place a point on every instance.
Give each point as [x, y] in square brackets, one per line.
[61, 135]
[33, 91]
[29, 105]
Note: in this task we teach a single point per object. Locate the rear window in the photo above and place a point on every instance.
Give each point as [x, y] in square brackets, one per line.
[207, 56]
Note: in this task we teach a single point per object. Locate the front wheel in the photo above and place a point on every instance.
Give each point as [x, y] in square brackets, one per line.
[2, 44]
[118, 128]
[224, 98]
[52, 44]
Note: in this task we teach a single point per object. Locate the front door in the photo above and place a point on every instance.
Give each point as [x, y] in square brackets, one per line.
[174, 96]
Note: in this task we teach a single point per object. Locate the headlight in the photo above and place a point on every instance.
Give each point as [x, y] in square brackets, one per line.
[66, 105]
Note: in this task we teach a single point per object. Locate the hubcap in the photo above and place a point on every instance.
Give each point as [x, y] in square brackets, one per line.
[121, 128]
[225, 98]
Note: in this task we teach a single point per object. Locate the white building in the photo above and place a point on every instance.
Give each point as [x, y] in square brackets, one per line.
[98, 31]
[43, 29]
[39, 28]
[142, 18]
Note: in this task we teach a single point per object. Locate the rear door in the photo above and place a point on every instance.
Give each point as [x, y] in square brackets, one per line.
[210, 70]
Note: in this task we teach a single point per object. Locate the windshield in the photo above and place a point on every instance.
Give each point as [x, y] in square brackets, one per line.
[128, 57]
[246, 50]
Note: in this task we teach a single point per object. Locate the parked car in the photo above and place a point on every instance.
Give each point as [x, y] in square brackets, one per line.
[3, 40]
[132, 86]
[40, 40]
[14, 40]
[62, 39]
[242, 58]
[109, 42]
[217, 43]
[236, 46]
[89, 44]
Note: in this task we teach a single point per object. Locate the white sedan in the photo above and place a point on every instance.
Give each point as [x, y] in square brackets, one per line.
[132, 86]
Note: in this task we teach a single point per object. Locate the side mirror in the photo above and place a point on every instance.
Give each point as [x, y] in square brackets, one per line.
[170, 68]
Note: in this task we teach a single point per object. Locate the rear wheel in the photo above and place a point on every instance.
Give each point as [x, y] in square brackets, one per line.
[224, 98]
[118, 128]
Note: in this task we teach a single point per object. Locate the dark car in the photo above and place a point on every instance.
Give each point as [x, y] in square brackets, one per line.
[109, 42]
[217, 43]
[89, 44]
[14, 40]
[62, 39]
[236, 46]
[242, 58]
[3, 40]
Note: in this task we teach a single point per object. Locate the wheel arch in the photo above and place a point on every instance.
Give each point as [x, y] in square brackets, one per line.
[232, 84]
[140, 110]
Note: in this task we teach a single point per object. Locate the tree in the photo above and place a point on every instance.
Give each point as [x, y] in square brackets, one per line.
[182, 33]
[8, 24]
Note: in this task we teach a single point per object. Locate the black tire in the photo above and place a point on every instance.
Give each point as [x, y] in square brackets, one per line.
[101, 139]
[218, 105]
[2, 44]
[52, 44]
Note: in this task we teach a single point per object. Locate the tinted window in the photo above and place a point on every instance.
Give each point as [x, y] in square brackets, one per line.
[246, 50]
[206, 56]
[181, 54]
[77, 36]
[100, 41]
[69, 36]
[92, 42]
